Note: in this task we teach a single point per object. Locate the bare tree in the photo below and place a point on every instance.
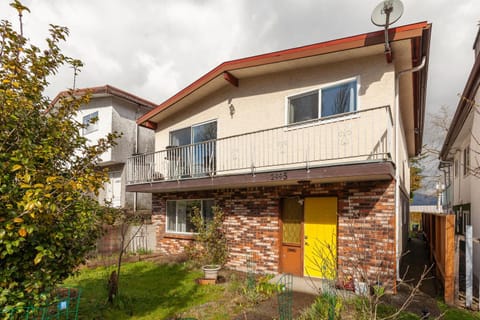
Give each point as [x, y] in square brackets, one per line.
[436, 131]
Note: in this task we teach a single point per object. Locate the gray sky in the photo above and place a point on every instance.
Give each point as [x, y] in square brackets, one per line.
[154, 48]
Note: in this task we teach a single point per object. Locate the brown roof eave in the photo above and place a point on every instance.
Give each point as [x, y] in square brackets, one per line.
[352, 42]
[421, 83]
[108, 89]
[463, 109]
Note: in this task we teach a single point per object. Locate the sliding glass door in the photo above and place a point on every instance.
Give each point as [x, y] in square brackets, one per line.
[192, 150]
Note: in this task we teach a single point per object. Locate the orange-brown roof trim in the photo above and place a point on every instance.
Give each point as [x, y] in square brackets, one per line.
[352, 42]
[108, 89]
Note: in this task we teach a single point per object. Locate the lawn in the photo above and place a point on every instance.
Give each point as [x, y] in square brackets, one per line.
[146, 291]
[149, 290]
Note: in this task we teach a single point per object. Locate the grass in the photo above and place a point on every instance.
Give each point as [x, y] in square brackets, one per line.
[146, 291]
[457, 314]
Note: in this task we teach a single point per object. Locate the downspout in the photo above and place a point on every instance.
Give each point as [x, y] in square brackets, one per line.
[135, 150]
[398, 218]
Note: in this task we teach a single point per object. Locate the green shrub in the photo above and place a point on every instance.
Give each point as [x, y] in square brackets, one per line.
[210, 245]
[326, 306]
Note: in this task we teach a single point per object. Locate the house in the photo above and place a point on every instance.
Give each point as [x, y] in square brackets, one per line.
[303, 149]
[117, 111]
[416, 215]
[461, 162]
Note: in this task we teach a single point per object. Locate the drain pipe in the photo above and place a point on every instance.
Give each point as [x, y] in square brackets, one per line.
[398, 218]
[135, 196]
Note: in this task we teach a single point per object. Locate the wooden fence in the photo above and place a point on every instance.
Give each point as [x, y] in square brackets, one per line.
[439, 231]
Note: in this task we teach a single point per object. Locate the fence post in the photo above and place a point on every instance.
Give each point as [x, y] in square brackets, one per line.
[449, 254]
[285, 296]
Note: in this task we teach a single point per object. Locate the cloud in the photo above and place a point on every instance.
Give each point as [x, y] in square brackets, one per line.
[155, 48]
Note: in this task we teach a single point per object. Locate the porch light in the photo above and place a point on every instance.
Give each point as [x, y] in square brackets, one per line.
[232, 110]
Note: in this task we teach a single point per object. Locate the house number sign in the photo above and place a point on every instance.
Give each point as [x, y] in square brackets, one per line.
[279, 176]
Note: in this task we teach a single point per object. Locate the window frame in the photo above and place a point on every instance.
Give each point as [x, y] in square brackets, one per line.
[455, 168]
[318, 90]
[170, 142]
[90, 127]
[466, 161]
[176, 214]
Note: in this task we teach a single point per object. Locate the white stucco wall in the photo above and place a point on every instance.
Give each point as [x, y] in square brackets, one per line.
[260, 102]
[118, 115]
[475, 187]
[104, 108]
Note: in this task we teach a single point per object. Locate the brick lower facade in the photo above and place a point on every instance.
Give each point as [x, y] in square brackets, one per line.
[365, 230]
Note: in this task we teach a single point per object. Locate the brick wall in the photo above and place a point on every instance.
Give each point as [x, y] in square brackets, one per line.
[366, 225]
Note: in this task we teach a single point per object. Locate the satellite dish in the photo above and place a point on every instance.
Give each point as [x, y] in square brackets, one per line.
[387, 12]
[384, 14]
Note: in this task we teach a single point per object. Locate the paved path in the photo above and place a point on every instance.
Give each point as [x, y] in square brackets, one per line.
[414, 263]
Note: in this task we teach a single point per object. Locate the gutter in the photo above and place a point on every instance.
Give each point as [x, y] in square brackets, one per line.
[398, 218]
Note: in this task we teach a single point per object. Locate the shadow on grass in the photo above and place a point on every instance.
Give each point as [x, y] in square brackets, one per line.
[145, 290]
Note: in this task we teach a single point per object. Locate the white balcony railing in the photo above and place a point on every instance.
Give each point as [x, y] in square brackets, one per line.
[347, 138]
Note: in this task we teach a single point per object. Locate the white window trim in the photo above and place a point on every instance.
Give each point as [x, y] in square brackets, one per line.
[176, 200]
[319, 89]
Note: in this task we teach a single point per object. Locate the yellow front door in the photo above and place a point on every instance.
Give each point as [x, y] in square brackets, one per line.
[320, 243]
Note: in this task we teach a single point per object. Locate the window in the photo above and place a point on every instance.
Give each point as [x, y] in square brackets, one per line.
[180, 211]
[303, 107]
[462, 217]
[90, 121]
[466, 160]
[325, 102]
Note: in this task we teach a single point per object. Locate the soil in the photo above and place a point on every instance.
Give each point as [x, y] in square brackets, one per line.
[268, 309]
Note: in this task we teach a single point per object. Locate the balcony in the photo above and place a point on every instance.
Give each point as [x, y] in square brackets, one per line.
[357, 137]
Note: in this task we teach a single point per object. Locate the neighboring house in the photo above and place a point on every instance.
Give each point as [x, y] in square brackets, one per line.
[416, 213]
[461, 161]
[117, 111]
[298, 148]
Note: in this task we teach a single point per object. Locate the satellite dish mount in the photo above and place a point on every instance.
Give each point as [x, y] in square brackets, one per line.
[386, 13]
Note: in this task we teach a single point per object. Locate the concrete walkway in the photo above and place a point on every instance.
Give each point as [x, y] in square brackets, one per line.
[304, 284]
[414, 263]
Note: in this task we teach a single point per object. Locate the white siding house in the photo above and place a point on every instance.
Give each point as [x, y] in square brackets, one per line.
[461, 154]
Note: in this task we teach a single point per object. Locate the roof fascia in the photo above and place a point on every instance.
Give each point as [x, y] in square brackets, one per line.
[464, 108]
[352, 42]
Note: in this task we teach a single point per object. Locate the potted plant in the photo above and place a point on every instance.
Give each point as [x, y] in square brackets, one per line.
[210, 247]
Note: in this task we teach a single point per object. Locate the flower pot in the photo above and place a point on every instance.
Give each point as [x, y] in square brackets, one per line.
[211, 271]
[361, 288]
[202, 281]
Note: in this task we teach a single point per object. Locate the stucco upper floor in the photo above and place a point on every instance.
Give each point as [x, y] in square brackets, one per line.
[323, 105]
[111, 110]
